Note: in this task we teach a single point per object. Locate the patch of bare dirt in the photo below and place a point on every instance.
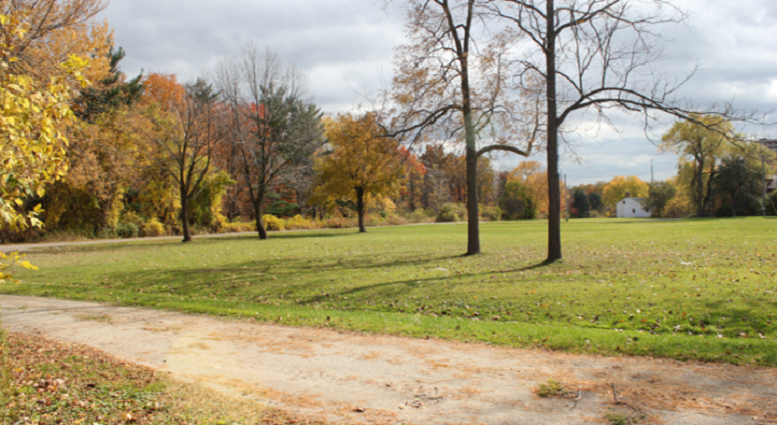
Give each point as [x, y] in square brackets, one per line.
[354, 378]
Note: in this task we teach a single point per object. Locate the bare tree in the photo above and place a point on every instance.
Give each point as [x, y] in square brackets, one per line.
[274, 128]
[187, 136]
[453, 83]
[593, 54]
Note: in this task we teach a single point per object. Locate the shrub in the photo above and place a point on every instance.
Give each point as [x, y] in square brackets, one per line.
[298, 222]
[491, 213]
[238, 226]
[152, 227]
[420, 216]
[127, 230]
[339, 223]
[450, 212]
[272, 222]
[395, 220]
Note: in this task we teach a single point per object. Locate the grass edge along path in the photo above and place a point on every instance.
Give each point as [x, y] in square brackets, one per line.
[570, 339]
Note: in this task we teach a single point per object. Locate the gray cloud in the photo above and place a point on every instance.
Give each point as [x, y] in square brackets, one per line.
[344, 46]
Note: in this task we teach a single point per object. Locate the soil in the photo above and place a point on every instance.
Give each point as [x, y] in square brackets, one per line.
[357, 378]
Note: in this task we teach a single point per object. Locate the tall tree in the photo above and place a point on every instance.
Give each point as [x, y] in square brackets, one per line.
[659, 194]
[591, 54]
[453, 83]
[273, 127]
[34, 115]
[187, 134]
[701, 140]
[362, 164]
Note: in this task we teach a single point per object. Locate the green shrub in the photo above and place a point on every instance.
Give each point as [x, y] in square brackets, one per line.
[491, 213]
[450, 212]
[152, 228]
[272, 222]
[127, 230]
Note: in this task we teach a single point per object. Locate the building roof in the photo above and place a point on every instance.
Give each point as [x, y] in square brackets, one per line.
[769, 143]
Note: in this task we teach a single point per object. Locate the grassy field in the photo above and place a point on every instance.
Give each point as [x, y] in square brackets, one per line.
[693, 289]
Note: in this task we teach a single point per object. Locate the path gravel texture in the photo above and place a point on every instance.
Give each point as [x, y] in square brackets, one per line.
[355, 378]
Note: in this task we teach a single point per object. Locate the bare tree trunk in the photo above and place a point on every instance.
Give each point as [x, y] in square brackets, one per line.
[187, 234]
[700, 189]
[554, 194]
[360, 209]
[473, 229]
[259, 219]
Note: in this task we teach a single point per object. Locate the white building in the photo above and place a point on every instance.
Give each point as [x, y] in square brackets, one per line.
[631, 208]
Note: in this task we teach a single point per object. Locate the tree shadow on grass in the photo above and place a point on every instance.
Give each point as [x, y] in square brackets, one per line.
[205, 240]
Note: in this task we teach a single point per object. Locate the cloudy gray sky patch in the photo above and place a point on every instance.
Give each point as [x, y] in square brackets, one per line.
[345, 47]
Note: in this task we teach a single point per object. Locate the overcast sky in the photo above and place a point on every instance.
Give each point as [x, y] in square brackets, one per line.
[346, 49]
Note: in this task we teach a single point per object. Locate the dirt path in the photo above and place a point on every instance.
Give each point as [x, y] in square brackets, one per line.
[330, 375]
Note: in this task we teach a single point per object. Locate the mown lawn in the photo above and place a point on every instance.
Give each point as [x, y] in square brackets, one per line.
[691, 289]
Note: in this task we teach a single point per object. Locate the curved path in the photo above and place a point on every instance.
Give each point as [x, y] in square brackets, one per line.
[357, 378]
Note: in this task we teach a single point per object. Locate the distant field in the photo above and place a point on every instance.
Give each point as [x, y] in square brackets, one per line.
[692, 289]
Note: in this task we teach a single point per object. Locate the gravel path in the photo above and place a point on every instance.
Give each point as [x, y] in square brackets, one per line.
[357, 378]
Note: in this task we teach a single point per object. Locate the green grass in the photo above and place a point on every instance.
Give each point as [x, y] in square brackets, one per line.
[692, 289]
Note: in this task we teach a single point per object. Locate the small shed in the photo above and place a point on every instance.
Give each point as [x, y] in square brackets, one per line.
[631, 208]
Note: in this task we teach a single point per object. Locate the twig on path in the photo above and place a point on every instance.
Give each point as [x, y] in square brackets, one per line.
[576, 399]
[618, 402]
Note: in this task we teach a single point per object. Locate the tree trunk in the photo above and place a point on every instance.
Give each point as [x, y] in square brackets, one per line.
[187, 234]
[554, 193]
[700, 189]
[473, 225]
[360, 209]
[259, 219]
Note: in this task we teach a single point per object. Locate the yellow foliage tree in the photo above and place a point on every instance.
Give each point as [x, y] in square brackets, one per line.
[362, 165]
[620, 186]
[32, 145]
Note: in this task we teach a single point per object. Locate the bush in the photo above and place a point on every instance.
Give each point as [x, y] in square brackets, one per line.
[152, 228]
[421, 216]
[238, 226]
[127, 230]
[339, 223]
[450, 212]
[132, 217]
[394, 220]
[491, 213]
[678, 207]
[298, 222]
[272, 222]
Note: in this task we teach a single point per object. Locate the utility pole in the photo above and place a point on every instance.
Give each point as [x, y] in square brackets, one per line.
[763, 187]
[651, 170]
[566, 196]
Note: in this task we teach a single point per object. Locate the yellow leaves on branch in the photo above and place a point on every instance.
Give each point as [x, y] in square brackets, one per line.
[9, 260]
[32, 120]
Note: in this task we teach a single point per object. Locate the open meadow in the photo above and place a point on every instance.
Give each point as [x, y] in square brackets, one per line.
[691, 289]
